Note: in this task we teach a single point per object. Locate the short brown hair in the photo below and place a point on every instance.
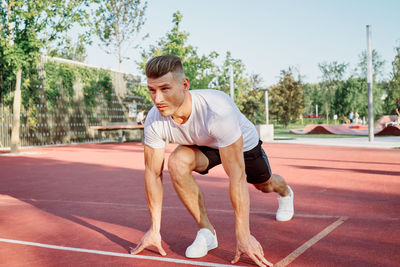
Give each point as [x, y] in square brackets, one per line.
[161, 65]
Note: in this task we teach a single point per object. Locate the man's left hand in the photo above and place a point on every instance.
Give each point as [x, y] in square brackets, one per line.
[252, 248]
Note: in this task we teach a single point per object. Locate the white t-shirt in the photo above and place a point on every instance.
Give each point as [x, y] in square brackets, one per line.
[215, 122]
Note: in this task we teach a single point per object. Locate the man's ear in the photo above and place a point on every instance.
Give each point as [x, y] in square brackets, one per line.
[186, 84]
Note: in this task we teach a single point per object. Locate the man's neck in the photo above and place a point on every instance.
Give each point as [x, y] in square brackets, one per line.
[184, 111]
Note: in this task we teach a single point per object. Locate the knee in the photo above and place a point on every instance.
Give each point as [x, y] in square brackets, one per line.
[265, 187]
[179, 165]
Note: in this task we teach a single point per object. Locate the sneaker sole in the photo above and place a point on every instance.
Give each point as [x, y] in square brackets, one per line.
[285, 220]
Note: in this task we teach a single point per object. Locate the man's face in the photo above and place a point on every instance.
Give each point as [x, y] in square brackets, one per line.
[168, 93]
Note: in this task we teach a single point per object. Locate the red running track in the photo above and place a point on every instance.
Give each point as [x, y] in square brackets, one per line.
[88, 202]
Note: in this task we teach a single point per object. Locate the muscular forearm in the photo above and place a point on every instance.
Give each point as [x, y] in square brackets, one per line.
[233, 163]
[239, 194]
[154, 196]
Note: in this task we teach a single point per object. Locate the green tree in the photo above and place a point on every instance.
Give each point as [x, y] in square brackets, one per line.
[117, 23]
[252, 103]
[392, 87]
[377, 74]
[286, 98]
[248, 95]
[377, 65]
[68, 49]
[222, 79]
[332, 76]
[352, 95]
[200, 70]
[312, 96]
[27, 27]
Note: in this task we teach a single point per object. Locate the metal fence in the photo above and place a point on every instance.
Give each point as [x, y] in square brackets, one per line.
[68, 123]
[5, 127]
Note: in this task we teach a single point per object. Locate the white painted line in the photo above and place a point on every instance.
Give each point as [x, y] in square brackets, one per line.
[300, 250]
[20, 154]
[144, 207]
[115, 254]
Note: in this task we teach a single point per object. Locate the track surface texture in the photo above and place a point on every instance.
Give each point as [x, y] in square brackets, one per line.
[85, 205]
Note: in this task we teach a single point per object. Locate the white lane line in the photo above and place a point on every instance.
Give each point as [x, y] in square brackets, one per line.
[144, 207]
[115, 254]
[19, 154]
[300, 250]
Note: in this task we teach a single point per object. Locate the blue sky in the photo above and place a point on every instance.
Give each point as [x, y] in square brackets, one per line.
[269, 36]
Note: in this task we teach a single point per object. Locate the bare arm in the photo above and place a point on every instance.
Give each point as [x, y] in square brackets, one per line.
[154, 163]
[233, 163]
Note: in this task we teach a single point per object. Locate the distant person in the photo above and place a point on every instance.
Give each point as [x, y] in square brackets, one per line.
[210, 131]
[345, 119]
[140, 117]
[357, 117]
[398, 110]
[351, 117]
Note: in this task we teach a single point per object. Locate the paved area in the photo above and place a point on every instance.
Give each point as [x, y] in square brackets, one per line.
[378, 142]
[85, 205]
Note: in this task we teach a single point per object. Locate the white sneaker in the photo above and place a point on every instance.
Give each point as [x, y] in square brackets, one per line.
[204, 242]
[285, 211]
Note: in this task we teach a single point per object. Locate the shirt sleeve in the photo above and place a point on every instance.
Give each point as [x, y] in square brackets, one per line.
[152, 129]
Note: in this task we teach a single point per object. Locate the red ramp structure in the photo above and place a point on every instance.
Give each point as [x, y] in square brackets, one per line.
[390, 130]
[386, 126]
[331, 129]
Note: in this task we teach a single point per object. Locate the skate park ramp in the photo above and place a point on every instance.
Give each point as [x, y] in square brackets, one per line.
[386, 126]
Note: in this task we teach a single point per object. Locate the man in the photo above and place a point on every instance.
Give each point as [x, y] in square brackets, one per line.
[210, 130]
[398, 111]
[140, 117]
[351, 116]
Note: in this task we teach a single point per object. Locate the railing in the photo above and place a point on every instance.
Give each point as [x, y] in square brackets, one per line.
[66, 124]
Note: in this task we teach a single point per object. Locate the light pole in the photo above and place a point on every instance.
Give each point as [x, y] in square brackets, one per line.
[369, 81]
[231, 82]
[266, 108]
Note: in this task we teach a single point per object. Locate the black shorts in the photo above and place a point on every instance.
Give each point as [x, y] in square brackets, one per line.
[255, 160]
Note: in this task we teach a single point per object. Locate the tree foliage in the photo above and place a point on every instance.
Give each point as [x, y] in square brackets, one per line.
[68, 49]
[392, 88]
[312, 96]
[248, 94]
[332, 76]
[377, 65]
[200, 70]
[117, 23]
[286, 98]
[28, 27]
[352, 95]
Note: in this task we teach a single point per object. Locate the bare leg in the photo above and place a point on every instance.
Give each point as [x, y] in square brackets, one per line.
[181, 163]
[274, 184]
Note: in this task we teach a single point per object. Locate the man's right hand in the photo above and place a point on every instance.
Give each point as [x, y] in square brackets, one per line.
[151, 238]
